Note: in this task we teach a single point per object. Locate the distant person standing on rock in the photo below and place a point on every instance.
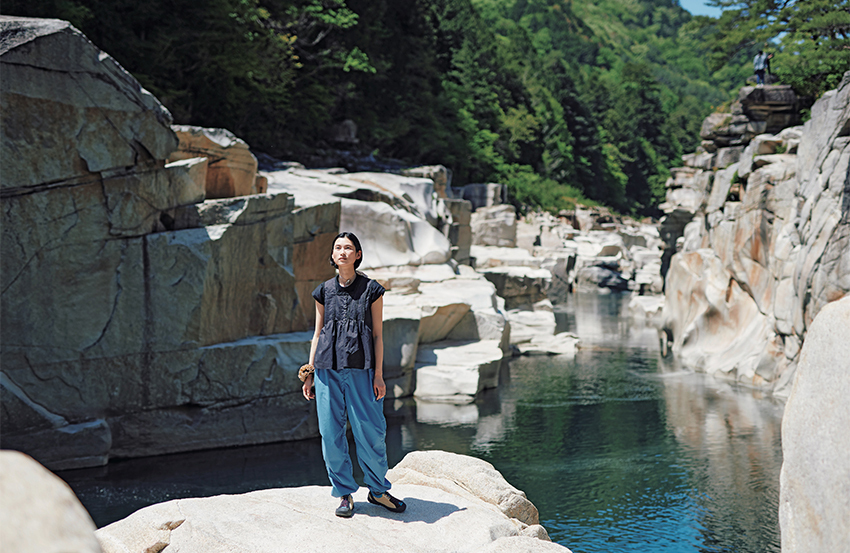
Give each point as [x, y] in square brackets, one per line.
[346, 365]
[760, 63]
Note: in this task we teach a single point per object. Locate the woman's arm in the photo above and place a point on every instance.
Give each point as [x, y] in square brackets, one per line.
[380, 388]
[307, 388]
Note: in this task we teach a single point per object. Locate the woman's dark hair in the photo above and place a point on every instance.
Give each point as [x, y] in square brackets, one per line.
[357, 248]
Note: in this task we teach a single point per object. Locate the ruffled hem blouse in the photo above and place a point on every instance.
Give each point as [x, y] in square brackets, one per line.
[345, 340]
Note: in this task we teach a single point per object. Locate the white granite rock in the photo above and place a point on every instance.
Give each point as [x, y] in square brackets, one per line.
[814, 498]
[494, 226]
[454, 503]
[232, 168]
[40, 512]
[455, 372]
[564, 343]
[529, 323]
[496, 256]
[420, 191]
[393, 236]
[774, 232]
[71, 114]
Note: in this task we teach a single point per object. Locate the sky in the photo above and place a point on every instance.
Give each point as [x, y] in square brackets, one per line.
[697, 7]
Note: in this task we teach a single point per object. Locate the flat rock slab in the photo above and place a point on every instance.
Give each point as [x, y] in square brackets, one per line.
[480, 513]
[559, 344]
[455, 372]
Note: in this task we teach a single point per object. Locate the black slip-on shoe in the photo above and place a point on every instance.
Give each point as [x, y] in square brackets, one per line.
[388, 502]
[346, 507]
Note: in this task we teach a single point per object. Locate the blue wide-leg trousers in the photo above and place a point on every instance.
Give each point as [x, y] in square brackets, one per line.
[347, 394]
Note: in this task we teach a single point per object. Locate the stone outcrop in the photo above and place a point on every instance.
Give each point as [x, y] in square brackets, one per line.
[766, 248]
[459, 230]
[456, 372]
[814, 509]
[494, 226]
[725, 136]
[455, 503]
[55, 84]
[481, 195]
[231, 167]
[138, 317]
[39, 510]
[388, 213]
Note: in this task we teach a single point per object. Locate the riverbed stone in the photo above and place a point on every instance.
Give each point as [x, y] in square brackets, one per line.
[455, 372]
[454, 503]
[526, 324]
[564, 343]
[39, 511]
[519, 286]
[494, 226]
[815, 480]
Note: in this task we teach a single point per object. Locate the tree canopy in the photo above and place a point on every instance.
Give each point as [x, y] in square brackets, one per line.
[562, 100]
[810, 38]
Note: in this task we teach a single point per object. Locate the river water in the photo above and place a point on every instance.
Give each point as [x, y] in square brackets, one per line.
[618, 450]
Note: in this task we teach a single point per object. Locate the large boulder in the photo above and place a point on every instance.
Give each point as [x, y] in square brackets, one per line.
[459, 230]
[456, 372]
[70, 113]
[138, 317]
[232, 168]
[773, 232]
[39, 511]
[455, 503]
[482, 195]
[814, 497]
[775, 106]
[389, 223]
[494, 226]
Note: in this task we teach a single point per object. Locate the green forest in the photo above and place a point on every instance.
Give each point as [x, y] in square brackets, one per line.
[562, 100]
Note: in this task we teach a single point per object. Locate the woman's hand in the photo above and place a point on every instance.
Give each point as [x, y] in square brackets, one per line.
[307, 388]
[379, 387]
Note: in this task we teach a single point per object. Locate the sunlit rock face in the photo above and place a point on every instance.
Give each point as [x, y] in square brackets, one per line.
[232, 168]
[39, 510]
[135, 311]
[814, 511]
[767, 247]
[455, 502]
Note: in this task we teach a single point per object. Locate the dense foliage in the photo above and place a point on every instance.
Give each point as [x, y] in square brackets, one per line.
[809, 38]
[563, 100]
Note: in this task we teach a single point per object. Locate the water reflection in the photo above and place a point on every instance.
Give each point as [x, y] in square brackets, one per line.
[619, 451]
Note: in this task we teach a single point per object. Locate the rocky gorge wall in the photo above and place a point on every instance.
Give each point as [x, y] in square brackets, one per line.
[133, 308]
[156, 287]
[760, 227]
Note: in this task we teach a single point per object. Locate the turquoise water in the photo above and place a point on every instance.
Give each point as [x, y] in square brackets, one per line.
[618, 450]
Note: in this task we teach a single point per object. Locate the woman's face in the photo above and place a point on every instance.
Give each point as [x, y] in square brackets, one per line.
[344, 252]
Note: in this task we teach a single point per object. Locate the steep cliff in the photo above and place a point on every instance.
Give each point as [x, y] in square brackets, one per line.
[767, 240]
[155, 300]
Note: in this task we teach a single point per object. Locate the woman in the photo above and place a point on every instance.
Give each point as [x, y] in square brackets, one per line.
[347, 352]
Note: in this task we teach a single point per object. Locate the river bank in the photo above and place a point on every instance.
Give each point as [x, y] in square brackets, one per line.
[645, 452]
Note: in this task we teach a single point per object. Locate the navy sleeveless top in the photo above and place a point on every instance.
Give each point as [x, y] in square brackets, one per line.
[345, 340]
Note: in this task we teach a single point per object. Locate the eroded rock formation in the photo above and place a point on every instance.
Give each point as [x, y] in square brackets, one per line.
[814, 509]
[133, 310]
[454, 502]
[143, 316]
[39, 511]
[767, 244]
